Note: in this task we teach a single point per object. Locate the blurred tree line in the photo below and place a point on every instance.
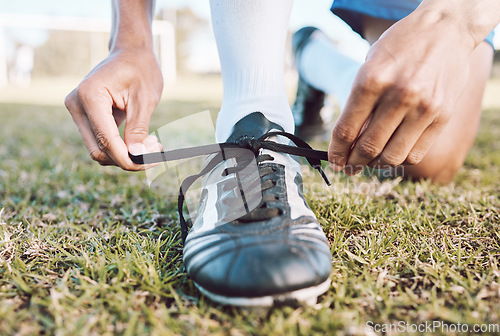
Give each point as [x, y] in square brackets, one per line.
[187, 25]
[75, 53]
[69, 53]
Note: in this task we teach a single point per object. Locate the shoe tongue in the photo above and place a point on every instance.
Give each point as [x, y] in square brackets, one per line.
[253, 125]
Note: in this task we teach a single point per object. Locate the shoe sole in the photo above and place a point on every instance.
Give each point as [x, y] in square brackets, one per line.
[307, 296]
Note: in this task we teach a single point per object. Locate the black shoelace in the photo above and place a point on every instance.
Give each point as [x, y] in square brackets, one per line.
[240, 151]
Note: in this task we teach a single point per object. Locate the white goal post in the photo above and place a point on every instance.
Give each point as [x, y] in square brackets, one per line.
[165, 30]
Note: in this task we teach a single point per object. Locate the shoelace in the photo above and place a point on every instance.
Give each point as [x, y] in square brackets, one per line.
[240, 151]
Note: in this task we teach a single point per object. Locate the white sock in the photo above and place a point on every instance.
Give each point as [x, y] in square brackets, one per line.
[251, 36]
[325, 68]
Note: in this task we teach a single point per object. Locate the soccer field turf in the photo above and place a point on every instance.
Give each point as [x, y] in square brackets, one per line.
[90, 250]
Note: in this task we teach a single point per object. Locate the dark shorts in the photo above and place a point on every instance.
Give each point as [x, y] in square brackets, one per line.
[394, 10]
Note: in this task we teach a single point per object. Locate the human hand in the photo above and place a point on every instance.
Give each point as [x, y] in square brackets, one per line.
[403, 95]
[126, 86]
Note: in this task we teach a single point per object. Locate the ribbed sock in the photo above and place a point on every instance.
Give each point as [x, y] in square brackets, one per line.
[251, 37]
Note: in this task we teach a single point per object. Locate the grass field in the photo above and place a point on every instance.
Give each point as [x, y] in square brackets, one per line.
[90, 250]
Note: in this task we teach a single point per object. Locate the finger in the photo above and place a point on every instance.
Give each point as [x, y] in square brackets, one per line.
[152, 144]
[149, 145]
[139, 112]
[384, 122]
[360, 105]
[74, 106]
[424, 143]
[410, 141]
[98, 108]
[399, 146]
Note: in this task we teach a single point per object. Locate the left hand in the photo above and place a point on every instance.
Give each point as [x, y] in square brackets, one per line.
[126, 86]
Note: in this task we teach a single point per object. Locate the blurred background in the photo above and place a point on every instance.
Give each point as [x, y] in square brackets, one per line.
[46, 47]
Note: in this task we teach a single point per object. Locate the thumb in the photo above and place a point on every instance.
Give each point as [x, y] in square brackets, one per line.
[136, 130]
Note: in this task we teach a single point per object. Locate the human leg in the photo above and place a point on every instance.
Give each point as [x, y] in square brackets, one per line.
[254, 241]
[251, 39]
[323, 70]
[323, 66]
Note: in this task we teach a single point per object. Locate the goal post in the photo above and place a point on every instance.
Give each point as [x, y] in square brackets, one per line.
[165, 31]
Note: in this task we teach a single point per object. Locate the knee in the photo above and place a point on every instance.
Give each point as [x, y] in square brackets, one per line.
[439, 171]
[443, 175]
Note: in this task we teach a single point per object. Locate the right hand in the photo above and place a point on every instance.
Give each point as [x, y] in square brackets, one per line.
[126, 86]
[404, 94]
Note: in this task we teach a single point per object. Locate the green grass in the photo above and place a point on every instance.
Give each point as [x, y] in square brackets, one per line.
[90, 250]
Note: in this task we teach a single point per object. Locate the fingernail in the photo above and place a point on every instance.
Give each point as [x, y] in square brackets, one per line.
[137, 148]
[352, 171]
[355, 172]
[151, 139]
[336, 167]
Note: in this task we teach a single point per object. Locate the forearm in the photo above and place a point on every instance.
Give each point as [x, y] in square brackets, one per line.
[474, 18]
[131, 25]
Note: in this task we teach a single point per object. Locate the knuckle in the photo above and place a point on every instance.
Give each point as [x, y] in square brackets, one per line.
[369, 84]
[88, 89]
[372, 77]
[430, 109]
[391, 159]
[84, 88]
[414, 158]
[440, 121]
[344, 133]
[374, 81]
[102, 141]
[368, 150]
[139, 129]
[409, 94]
[69, 101]
[426, 108]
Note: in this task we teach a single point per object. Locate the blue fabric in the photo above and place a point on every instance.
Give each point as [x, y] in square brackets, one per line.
[394, 10]
[489, 39]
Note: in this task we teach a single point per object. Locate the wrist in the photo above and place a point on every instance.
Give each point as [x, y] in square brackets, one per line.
[471, 21]
[124, 40]
[131, 26]
[443, 22]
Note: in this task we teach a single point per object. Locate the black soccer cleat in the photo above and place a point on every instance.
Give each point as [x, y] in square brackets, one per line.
[309, 100]
[255, 241]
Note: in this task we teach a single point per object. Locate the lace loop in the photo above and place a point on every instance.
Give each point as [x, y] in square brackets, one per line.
[240, 151]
